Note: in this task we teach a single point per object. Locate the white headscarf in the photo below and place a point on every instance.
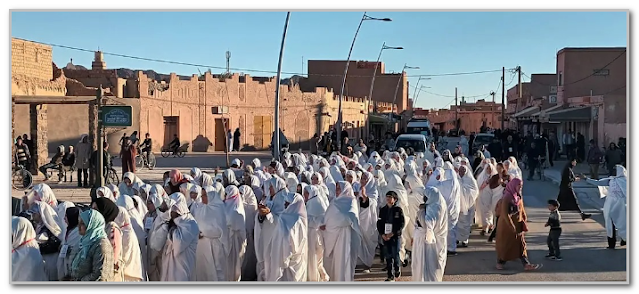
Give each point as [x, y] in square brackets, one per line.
[469, 191]
[49, 218]
[27, 264]
[196, 174]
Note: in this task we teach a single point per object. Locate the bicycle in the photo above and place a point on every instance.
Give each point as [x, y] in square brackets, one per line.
[180, 152]
[21, 179]
[142, 161]
[111, 175]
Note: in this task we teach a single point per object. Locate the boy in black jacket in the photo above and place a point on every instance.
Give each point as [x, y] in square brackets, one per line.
[389, 225]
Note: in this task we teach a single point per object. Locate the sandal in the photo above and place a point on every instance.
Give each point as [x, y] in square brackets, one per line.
[532, 267]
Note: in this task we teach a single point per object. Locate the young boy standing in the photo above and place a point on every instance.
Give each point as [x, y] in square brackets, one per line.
[554, 222]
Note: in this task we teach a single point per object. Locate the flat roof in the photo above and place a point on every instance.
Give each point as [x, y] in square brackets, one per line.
[600, 49]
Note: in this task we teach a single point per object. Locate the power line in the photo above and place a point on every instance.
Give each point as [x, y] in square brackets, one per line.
[248, 69]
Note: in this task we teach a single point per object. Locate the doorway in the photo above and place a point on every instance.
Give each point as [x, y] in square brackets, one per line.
[262, 132]
[171, 127]
[221, 127]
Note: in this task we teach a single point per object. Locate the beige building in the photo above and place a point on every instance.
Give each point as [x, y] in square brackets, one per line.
[195, 109]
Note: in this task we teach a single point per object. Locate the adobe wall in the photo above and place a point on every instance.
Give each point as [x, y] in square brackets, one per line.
[247, 100]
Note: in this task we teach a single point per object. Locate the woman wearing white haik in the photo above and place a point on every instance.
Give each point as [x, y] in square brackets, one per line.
[429, 241]
[615, 205]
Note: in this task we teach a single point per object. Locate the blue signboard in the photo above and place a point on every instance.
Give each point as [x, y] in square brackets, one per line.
[117, 116]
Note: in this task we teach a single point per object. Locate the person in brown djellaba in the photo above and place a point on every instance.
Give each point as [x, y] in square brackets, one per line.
[127, 154]
[511, 228]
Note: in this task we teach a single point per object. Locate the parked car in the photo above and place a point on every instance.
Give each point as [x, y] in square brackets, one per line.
[416, 141]
[482, 139]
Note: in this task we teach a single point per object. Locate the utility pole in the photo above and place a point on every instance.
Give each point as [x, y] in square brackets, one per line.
[276, 134]
[503, 96]
[456, 112]
[225, 121]
[519, 87]
[101, 163]
[492, 110]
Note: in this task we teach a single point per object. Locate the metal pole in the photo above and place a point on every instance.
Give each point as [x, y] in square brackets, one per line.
[276, 134]
[503, 93]
[101, 162]
[341, 92]
[370, 94]
[227, 123]
[456, 113]
[401, 77]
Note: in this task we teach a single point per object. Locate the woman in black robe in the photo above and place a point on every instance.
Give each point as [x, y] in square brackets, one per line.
[236, 140]
[567, 197]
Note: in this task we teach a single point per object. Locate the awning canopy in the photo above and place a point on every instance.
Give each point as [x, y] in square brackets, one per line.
[525, 114]
[576, 114]
[378, 118]
[547, 110]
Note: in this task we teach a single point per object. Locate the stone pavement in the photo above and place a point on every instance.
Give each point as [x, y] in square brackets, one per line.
[586, 193]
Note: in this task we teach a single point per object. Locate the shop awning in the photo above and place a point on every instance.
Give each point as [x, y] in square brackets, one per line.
[378, 118]
[525, 114]
[576, 114]
[547, 110]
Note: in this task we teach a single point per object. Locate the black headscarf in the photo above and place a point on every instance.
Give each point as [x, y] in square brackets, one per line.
[107, 208]
[73, 214]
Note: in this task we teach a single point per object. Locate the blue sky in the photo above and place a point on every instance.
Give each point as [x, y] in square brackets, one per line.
[437, 42]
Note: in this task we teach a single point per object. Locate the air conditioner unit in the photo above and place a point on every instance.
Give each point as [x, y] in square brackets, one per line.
[219, 109]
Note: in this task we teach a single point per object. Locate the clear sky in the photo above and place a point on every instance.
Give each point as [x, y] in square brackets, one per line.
[437, 42]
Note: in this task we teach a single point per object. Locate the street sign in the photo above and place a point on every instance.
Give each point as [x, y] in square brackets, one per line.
[117, 116]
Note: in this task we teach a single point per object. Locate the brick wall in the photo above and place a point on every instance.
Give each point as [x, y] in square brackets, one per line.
[31, 59]
[247, 99]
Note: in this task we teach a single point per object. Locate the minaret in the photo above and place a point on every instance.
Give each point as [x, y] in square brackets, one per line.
[98, 63]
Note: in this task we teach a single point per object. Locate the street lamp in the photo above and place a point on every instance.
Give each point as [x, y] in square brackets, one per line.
[415, 97]
[401, 77]
[370, 93]
[276, 135]
[348, 60]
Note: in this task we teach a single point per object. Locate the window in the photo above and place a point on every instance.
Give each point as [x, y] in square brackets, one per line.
[601, 72]
[560, 79]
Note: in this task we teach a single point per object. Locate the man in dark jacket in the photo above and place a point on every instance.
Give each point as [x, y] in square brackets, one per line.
[595, 155]
[495, 149]
[389, 225]
[510, 147]
[533, 158]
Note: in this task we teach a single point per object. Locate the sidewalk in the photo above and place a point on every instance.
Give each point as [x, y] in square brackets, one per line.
[586, 193]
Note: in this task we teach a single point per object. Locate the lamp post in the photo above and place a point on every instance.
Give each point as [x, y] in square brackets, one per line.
[401, 78]
[416, 96]
[276, 134]
[348, 60]
[370, 93]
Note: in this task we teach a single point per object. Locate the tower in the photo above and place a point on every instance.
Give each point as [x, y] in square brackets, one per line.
[98, 62]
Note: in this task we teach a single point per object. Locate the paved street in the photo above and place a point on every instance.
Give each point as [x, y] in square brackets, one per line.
[583, 242]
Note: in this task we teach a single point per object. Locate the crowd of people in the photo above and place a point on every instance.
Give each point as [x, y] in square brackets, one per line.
[303, 218]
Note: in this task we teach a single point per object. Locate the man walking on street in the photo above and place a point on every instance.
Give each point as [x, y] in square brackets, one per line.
[533, 158]
[510, 147]
[594, 158]
[569, 141]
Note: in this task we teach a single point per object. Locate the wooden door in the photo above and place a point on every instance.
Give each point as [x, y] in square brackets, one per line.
[262, 131]
[220, 134]
[171, 127]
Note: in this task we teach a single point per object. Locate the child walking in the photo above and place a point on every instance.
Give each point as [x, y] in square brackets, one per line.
[554, 222]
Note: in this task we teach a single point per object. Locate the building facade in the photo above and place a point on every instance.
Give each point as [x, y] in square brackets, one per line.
[471, 117]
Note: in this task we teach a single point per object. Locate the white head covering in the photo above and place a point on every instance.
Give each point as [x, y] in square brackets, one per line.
[196, 174]
[207, 180]
[27, 264]
[49, 218]
[433, 181]
[469, 191]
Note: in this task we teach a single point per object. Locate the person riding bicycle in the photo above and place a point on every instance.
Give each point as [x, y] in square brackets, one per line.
[146, 145]
[22, 153]
[55, 163]
[175, 144]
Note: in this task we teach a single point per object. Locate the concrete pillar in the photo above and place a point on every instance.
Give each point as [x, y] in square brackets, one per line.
[39, 127]
[93, 125]
[13, 124]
